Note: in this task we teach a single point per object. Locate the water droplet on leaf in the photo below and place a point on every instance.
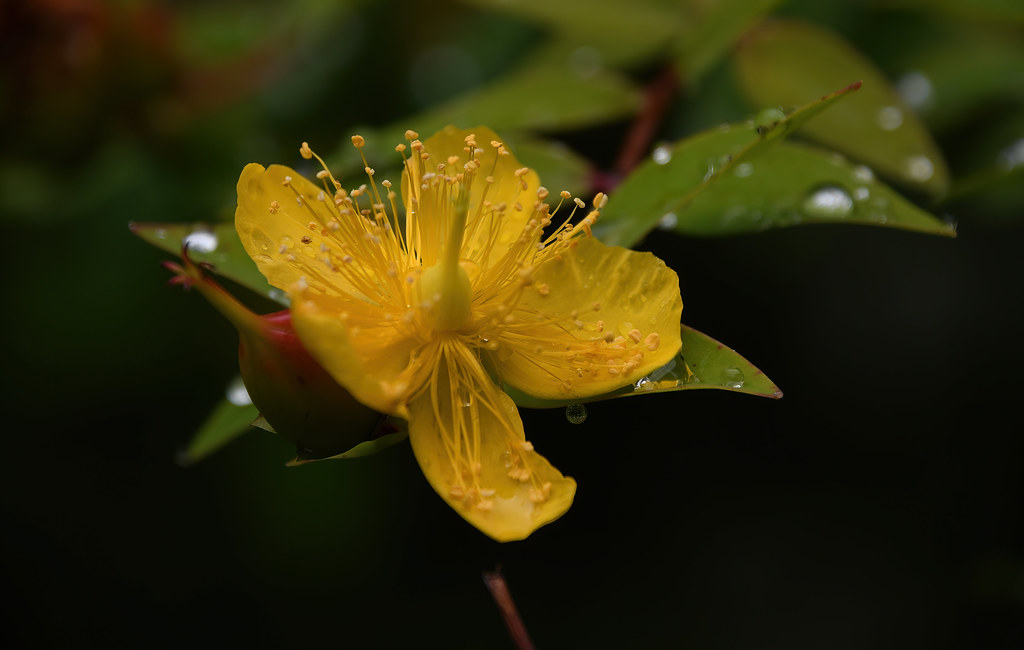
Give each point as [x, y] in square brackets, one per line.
[828, 201]
[743, 170]
[662, 155]
[768, 119]
[732, 378]
[201, 241]
[668, 221]
[237, 393]
[920, 168]
[889, 118]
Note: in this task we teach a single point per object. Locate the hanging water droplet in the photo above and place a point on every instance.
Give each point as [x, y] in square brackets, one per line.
[743, 170]
[828, 201]
[465, 397]
[889, 118]
[668, 221]
[732, 378]
[644, 383]
[201, 241]
[576, 413]
[662, 155]
[237, 393]
[920, 168]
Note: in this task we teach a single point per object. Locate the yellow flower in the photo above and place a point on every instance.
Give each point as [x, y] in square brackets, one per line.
[427, 319]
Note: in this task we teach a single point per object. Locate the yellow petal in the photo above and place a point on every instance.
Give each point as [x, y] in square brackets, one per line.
[276, 207]
[370, 357]
[485, 236]
[595, 319]
[469, 441]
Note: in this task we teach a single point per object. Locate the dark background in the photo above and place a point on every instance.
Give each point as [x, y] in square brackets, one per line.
[877, 505]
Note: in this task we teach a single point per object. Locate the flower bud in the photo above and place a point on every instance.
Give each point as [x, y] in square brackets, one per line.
[293, 393]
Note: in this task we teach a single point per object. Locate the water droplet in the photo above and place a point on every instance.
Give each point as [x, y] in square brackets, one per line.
[828, 201]
[668, 222]
[743, 170]
[644, 383]
[863, 174]
[237, 394]
[920, 168]
[1012, 156]
[861, 193]
[662, 155]
[916, 90]
[576, 413]
[201, 241]
[160, 233]
[732, 378]
[768, 119]
[277, 295]
[889, 118]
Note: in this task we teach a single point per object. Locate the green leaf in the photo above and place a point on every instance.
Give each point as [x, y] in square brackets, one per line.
[793, 183]
[216, 244]
[790, 62]
[618, 32]
[675, 176]
[710, 32]
[366, 448]
[227, 422]
[538, 97]
[702, 362]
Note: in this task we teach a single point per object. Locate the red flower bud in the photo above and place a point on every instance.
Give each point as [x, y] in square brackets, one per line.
[293, 393]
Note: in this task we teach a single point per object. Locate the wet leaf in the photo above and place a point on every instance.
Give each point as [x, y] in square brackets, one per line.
[674, 176]
[227, 422]
[793, 183]
[788, 62]
[367, 448]
[702, 362]
[217, 244]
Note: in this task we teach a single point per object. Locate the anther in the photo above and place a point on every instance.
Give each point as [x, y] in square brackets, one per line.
[274, 207]
[635, 335]
[565, 194]
[579, 202]
[305, 151]
[411, 135]
[322, 174]
[358, 141]
[543, 289]
[652, 341]
[600, 199]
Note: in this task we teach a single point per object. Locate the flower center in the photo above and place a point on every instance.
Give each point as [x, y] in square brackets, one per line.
[447, 292]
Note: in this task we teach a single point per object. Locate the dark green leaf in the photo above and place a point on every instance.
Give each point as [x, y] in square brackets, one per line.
[793, 183]
[675, 176]
[702, 362]
[227, 422]
[789, 62]
[367, 448]
[217, 244]
[710, 31]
